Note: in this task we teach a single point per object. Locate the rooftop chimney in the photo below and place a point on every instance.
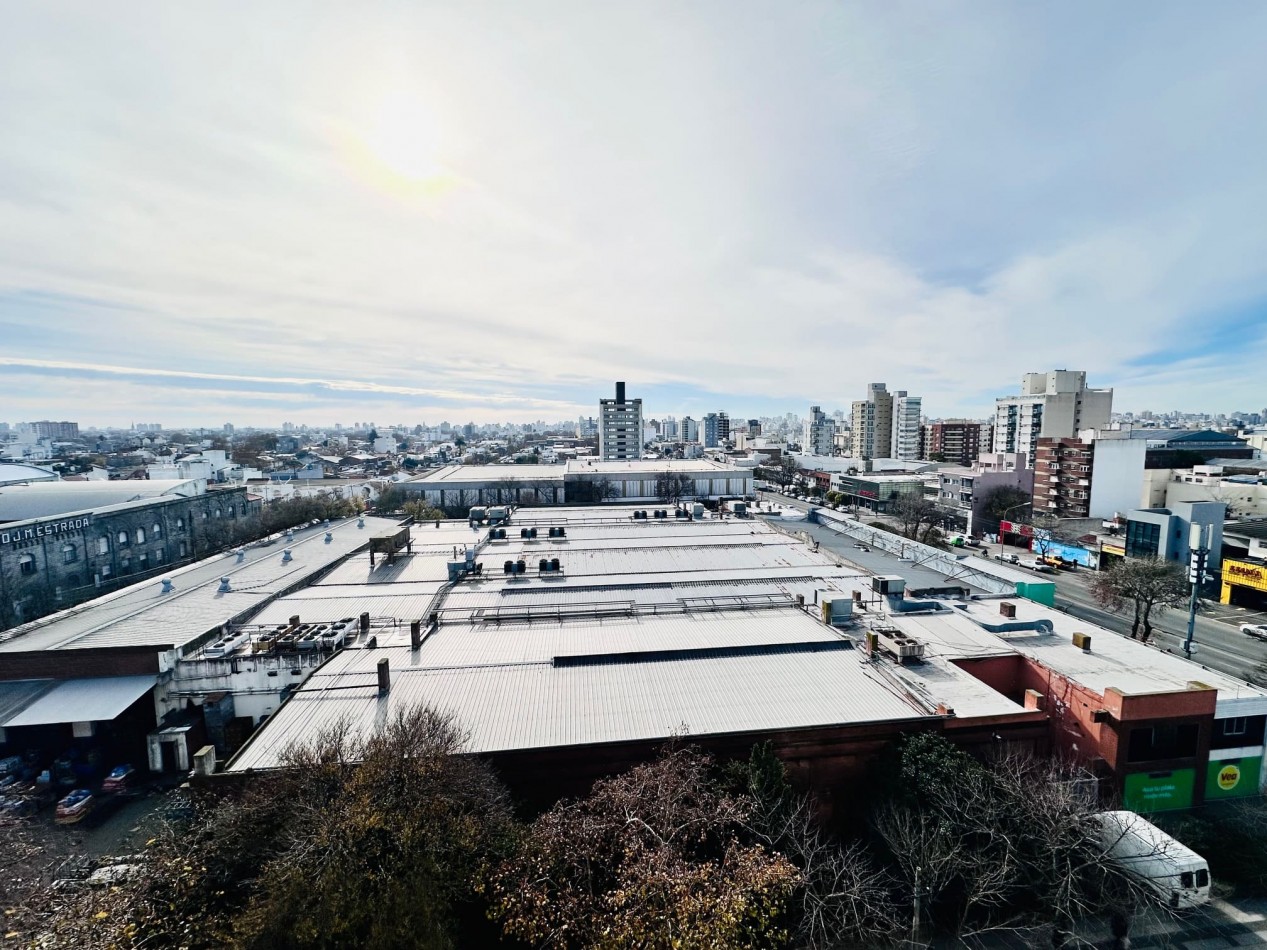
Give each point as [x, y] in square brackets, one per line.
[620, 392]
[415, 634]
[384, 677]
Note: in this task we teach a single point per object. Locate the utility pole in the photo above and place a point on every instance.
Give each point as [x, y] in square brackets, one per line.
[1199, 545]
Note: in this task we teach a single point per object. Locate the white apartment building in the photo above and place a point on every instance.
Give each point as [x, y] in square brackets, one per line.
[819, 437]
[1055, 405]
[619, 427]
[904, 437]
[690, 429]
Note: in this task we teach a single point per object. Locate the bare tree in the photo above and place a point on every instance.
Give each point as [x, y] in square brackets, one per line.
[1144, 584]
[917, 514]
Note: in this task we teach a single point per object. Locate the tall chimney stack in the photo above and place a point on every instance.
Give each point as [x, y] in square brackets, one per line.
[384, 677]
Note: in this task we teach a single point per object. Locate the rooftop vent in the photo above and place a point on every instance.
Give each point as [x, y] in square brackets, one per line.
[241, 553]
[384, 677]
[360, 522]
[168, 586]
[224, 585]
[287, 556]
[329, 536]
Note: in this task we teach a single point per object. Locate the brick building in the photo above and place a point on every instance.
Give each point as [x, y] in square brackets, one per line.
[56, 560]
[955, 441]
[1062, 477]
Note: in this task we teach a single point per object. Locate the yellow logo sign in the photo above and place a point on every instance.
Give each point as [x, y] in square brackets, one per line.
[1229, 777]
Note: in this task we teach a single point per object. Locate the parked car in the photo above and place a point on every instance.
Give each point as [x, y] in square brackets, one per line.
[1256, 630]
[1009, 558]
[74, 807]
[121, 778]
[1035, 564]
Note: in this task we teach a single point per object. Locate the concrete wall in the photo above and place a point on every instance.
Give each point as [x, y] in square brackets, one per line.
[1117, 476]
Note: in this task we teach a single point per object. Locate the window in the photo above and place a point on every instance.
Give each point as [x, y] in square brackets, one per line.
[158, 556]
[105, 570]
[1238, 731]
[217, 512]
[156, 532]
[140, 535]
[142, 560]
[125, 566]
[70, 553]
[26, 565]
[1163, 741]
[1203, 877]
[1142, 539]
[103, 545]
[180, 524]
[122, 538]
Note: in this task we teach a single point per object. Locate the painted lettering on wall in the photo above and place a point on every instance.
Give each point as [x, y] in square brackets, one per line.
[17, 536]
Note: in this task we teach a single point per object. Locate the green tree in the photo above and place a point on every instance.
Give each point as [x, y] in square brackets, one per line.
[1143, 584]
[1005, 501]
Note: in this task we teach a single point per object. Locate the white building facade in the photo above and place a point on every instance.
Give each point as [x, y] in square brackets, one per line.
[1055, 405]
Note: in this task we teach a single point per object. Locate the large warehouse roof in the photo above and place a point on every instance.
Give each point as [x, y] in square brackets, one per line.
[142, 615]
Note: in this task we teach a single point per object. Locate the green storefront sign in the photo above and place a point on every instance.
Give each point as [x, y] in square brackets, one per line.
[1159, 791]
[1232, 778]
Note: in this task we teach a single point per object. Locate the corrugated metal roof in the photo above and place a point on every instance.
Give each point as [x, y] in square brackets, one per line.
[325, 609]
[142, 615]
[46, 499]
[527, 706]
[543, 593]
[406, 568]
[86, 700]
[517, 642]
[16, 695]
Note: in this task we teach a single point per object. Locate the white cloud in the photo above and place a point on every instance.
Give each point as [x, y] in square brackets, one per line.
[514, 205]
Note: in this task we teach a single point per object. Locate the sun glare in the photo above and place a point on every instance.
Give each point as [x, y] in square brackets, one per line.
[400, 147]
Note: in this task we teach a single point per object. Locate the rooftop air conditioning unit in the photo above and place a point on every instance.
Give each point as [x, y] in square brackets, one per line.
[898, 644]
[888, 584]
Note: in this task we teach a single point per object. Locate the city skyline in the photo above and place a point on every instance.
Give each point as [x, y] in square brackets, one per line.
[432, 213]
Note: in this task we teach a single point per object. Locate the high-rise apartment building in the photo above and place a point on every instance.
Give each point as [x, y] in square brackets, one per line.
[619, 427]
[871, 424]
[711, 431]
[904, 435]
[1055, 405]
[55, 430]
[586, 427]
[819, 436]
[723, 427]
[669, 429]
[690, 429]
[954, 440]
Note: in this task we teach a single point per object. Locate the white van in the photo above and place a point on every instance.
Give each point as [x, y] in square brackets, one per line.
[1178, 875]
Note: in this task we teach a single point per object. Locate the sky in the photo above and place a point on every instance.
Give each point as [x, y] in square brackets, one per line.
[415, 212]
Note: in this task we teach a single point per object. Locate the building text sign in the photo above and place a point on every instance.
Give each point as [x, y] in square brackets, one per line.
[17, 536]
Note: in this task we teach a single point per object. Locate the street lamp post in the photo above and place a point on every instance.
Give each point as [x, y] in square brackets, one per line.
[1003, 519]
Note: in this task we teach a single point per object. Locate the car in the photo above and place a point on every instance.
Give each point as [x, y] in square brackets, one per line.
[1035, 565]
[120, 778]
[1256, 630]
[1009, 558]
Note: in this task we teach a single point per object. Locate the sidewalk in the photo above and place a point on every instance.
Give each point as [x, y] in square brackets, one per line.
[1219, 926]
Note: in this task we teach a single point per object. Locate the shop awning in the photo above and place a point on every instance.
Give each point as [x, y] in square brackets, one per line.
[88, 700]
